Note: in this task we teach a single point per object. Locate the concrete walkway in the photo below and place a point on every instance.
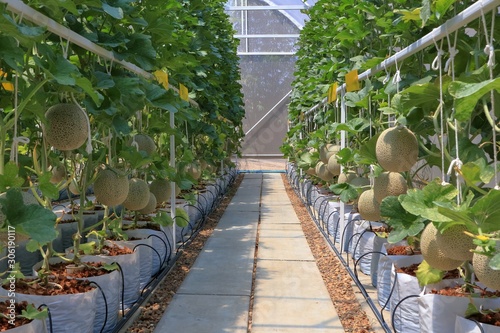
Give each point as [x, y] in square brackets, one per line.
[289, 293]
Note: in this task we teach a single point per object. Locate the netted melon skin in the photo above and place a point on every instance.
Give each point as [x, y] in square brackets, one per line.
[431, 252]
[151, 206]
[389, 184]
[138, 195]
[397, 149]
[110, 189]
[455, 244]
[485, 274]
[145, 143]
[66, 127]
[368, 207]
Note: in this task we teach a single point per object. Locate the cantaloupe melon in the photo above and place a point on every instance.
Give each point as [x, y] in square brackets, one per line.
[194, 170]
[110, 187]
[144, 142]
[311, 171]
[397, 149]
[66, 127]
[161, 189]
[333, 165]
[326, 151]
[151, 206]
[58, 174]
[455, 244]
[368, 207]
[486, 275]
[138, 194]
[388, 184]
[431, 252]
[322, 172]
[346, 177]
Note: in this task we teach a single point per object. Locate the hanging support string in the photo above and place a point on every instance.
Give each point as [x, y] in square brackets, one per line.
[16, 140]
[490, 51]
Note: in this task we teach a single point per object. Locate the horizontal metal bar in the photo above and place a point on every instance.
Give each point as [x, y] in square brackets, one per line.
[265, 53]
[468, 15]
[268, 36]
[30, 14]
[262, 155]
[275, 7]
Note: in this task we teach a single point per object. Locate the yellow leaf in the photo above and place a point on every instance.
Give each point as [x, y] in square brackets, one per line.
[183, 92]
[162, 77]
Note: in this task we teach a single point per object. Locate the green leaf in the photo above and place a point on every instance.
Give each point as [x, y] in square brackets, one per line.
[38, 223]
[346, 192]
[163, 218]
[422, 95]
[104, 80]
[48, 189]
[422, 202]
[409, 15]
[476, 172]
[468, 94]
[32, 313]
[442, 6]
[115, 12]
[87, 87]
[88, 248]
[495, 262]
[471, 310]
[397, 235]
[425, 12]
[428, 275]
[10, 177]
[486, 212]
[181, 217]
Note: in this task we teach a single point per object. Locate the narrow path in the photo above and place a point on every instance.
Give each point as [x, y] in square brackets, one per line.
[289, 293]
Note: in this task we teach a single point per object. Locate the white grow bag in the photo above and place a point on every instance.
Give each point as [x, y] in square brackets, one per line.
[463, 325]
[36, 326]
[438, 313]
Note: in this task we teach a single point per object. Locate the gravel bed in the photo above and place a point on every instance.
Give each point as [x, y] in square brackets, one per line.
[337, 280]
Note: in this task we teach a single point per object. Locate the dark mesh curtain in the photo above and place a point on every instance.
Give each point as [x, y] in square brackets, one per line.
[266, 79]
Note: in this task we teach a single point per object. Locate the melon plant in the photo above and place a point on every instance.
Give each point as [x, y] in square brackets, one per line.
[161, 190]
[455, 244]
[333, 165]
[144, 143]
[151, 206]
[397, 149]
[322, 171]
[110, 187]
[388, 184]
[66, 126]
[368, 207]
[138, 194]
[431, 252]
[481, 264]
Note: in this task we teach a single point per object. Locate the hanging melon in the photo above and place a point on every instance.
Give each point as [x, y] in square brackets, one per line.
[346, 177]
[66, 127]
[485, 274]
[368, 207]
[326, 151]
[194, 170]
[322, 172]
[455, 244]
[333, 165]
[138, 194]
[111, 188]
[397, 149]
[431, 252]
[144, 143]
[151, 206]
[58, 174]
[388, 184]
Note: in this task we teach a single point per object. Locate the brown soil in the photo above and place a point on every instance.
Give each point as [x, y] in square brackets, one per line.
[18, 321]
[401, 250]
[412, 270]
[91, 269]
[116, 250]
[56, 286]
[489, 318]
[460, 291]
[152, 226]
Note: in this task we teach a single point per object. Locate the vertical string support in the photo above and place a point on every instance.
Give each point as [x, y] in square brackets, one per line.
[343, 144]
[172, 183]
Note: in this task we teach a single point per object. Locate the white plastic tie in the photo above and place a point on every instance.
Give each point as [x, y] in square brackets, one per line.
[15, 144]
[490, 51]
[437, 61]
[397, 77]
[456, 162]
[453, 53]
[135, 144]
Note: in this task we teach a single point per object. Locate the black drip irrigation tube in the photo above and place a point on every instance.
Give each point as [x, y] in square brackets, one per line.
[157, 278]
[351, 273]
